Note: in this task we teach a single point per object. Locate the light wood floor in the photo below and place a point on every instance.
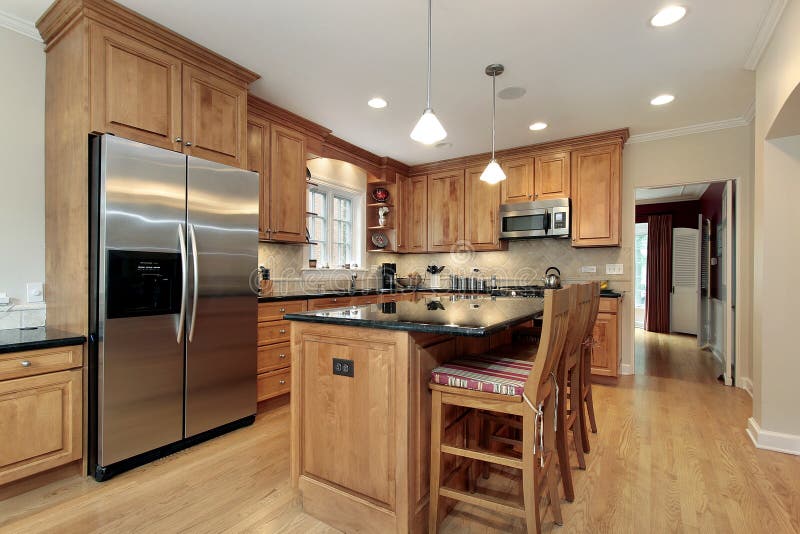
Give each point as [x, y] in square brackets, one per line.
[671, 455]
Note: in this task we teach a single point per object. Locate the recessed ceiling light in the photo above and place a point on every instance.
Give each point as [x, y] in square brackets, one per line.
[660, 100]
[536, 126]
[668, 15]
[377, 103]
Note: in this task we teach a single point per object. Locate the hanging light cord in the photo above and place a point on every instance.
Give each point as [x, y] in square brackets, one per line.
[428, 105]
[494, 99]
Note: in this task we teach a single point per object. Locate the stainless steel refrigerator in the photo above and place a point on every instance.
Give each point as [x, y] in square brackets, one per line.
[173, 247]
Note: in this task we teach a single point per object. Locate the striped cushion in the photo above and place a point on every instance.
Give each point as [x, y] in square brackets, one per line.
[490, 374]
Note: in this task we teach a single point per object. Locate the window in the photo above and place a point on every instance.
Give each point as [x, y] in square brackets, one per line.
[334, 226]
[640, 261]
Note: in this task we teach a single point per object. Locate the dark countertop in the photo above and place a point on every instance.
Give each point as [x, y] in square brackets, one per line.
[276, 297]
[479, 315]
[19, 339]
[610, 294]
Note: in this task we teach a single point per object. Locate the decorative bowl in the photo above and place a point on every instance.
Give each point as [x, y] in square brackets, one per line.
[380, 194]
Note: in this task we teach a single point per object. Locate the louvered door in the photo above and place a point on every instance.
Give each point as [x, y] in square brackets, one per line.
[685, 265]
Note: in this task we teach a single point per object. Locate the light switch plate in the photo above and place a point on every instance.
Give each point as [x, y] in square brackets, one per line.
[35, 292]
[613, 268]
[589, 269]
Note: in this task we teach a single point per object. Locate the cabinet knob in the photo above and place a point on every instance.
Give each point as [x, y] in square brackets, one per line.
[334, 300]
[25, 363]
[188, 143]
[282, 310]
[282, 331]
[282, 382]
[178, 140]
[282, 356]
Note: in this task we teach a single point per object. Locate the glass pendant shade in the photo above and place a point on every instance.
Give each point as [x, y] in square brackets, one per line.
[493, 173]
[428, 129]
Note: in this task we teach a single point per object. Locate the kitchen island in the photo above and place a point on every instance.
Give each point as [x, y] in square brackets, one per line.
[361, 405]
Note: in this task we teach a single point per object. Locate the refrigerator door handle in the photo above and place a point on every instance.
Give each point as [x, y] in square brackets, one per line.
[193, 241]
[184, 281]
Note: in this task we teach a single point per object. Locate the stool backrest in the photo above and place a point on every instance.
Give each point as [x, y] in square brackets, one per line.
[595, 307]
[579, 316]
[555, 323]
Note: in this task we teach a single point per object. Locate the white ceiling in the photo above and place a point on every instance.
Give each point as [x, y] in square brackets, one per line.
[587, 66]
[678, 193]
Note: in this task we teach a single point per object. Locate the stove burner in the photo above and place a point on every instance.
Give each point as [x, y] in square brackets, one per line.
[519, 291]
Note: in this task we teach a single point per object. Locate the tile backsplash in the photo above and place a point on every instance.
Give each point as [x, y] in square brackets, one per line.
[22, 315]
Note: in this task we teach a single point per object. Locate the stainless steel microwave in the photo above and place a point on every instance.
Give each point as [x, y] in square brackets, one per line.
[543, 218]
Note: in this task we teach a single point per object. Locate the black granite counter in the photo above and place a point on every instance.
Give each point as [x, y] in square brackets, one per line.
[276, 297]
[19, 339]
[610, 294]
[477, 315]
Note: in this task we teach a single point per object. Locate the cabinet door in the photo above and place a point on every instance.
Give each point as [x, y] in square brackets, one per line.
[518, 185]
[416, 219]
[445, 211]
[604, 353]
[400, 212]
[40, 423]
[258, 137]
[481, 211]
[136, 90]
[551, 176]
[287, 185]
[596, 196]
[214, 118]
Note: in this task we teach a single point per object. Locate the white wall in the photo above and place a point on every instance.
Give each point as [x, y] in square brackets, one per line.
[777, 242]
[21, 163]
[710, 156]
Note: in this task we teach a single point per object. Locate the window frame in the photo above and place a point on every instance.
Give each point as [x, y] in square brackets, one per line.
[356, 198]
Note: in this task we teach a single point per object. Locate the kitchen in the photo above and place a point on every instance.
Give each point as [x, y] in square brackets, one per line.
[326, 215]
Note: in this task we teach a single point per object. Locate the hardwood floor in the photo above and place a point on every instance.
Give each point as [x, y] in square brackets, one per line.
[671, 455]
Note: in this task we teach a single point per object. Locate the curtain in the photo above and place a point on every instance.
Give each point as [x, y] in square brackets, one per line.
[659, 273]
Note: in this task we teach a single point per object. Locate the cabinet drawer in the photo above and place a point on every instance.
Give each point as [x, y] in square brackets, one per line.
[273, 357]
[274, 311]
[36, 362]
[274, 384]
[329, 302]
[274, 332]
[364, 300]
[41, 423]
[609, 305]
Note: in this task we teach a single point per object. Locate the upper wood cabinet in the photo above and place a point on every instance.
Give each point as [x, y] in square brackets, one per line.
[415, 214]
[518, 185]
[143, 93]
[481, 212]
[287, 189]
[258, 161]
[445, 211]
[551, 176]
[214, 117]
[596, 194]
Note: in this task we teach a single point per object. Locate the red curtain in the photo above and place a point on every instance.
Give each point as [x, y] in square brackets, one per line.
[659, 273]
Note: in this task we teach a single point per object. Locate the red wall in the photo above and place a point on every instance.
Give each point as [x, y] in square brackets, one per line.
[684, 214]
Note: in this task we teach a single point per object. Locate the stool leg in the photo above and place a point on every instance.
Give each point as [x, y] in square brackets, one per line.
[561, 434]
[436, 457]
[586, 368]
[590, 408]
[576, 407]
[530, 488]
[486, 430]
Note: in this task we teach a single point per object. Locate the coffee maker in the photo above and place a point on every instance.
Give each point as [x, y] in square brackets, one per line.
[388, 271]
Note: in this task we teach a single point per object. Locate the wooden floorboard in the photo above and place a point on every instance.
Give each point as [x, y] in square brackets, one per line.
[671, 455]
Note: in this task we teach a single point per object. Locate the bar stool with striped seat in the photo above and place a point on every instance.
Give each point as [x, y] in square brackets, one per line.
[586, 399]
[514, 388]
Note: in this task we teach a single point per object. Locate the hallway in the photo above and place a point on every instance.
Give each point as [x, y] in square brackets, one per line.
[674, 356]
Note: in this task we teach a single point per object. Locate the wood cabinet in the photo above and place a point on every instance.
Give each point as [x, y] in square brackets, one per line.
[596, 193]
[518, 185]
[606, 335]
[258, 154]
[551, 176]
[143, 93]
[274, 355]
[41, 415]
[481, 212]
[415, 214]
[328, 302]
[445, 211]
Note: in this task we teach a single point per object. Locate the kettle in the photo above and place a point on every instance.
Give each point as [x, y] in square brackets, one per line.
[552, 281]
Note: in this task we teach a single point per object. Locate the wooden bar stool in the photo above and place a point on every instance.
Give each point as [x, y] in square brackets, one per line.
[586, 400]
[513, 388]
[569, 386]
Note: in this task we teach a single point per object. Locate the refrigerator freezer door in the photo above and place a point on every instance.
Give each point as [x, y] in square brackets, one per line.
[140, 289]
[222, 308]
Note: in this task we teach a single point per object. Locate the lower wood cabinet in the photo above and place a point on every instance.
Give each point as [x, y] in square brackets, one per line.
[274, 347]
[41, 423]
[605, 352]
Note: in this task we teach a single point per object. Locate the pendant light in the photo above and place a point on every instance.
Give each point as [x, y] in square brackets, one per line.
[428, 129]
[493, 173]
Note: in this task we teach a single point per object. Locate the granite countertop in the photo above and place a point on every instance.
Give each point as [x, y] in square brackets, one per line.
[477, 315]
[278, 296]
[610, 294]
[19, 339]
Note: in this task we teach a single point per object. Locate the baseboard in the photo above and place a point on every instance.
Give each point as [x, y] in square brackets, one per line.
[717, 354]
[746, 384]
[626, 369]
[772, 441]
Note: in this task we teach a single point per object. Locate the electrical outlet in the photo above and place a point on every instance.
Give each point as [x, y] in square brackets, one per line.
[613, 268]
[589, 269]
[343, 367]
[35, 292]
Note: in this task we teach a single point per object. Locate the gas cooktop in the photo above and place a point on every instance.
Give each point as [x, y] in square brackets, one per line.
[519, 291]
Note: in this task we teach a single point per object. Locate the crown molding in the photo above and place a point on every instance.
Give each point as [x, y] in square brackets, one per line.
[22, 27]
[765, 31]
[689, 130]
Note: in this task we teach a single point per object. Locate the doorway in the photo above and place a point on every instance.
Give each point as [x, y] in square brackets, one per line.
[684, 281]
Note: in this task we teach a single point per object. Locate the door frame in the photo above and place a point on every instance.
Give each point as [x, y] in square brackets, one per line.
[734, 290]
